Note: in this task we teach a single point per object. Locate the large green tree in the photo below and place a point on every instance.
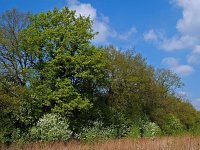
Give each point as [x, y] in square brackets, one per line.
[68, 71]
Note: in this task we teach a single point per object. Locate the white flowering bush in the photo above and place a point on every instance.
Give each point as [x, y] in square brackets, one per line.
[151, 129]
[96, 132]
[51, 127]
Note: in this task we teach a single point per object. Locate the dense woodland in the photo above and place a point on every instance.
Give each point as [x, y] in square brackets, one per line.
[55, 84]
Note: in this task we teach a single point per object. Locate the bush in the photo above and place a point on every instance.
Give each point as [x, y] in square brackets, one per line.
[6, 130]
[120, 123]
[121, 130]
[134, 132]
[16, 135]
[96, 132]
[2, 138]
[173, 126]
[195, 130]
[151, 129]
[51, 127]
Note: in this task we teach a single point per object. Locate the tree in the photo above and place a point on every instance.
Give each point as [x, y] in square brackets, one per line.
[168, 80]
[14, 57]
[130, 80]
[15, 62]
[10, 102]
[68, 71]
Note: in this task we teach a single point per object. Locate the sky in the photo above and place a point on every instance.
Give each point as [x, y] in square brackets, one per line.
[165, 32]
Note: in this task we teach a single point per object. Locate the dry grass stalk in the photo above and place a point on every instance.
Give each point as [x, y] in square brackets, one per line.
[164, 143]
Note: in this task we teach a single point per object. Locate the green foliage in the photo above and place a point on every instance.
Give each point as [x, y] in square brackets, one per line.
[69, 71]
[16, 135]
[6, 129]
[183, 110]
[173, 126]
[186, 113]
[51, 127]
[195, 130]
[10, 95]
[135, 132]
[19, 137]
[96, 132]
[129, 82]
[120, 122]
[168, 80]
[10, 102]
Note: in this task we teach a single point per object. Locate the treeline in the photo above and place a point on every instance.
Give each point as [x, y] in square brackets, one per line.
[56, 85]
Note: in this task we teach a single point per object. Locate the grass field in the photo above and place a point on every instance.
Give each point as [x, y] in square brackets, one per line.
[162, 143]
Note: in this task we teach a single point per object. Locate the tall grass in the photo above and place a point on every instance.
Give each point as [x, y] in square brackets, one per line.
[163, 143]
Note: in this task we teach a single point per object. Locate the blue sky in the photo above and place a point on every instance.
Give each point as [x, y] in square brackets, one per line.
[166, 32]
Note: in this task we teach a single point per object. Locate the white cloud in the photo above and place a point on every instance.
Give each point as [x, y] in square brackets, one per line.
[177, 43]
[151, 36]
[103, 30]
[169, 44]
[101, 22]
[174, 65]
[83, 9]
[186, 37]
[190, 21]
[170, 61]
[188, 28]
[128, 34]
[194, 57]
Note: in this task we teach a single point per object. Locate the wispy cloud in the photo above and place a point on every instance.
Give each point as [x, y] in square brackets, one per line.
[188, 31]
[174, 65]
[127, 35]
[186, 37]
[194, 57]
[187, 26]
[177, 43]
[151, 36]
[169, 44]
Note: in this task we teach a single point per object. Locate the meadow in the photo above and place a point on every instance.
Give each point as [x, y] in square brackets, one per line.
[186, 142]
